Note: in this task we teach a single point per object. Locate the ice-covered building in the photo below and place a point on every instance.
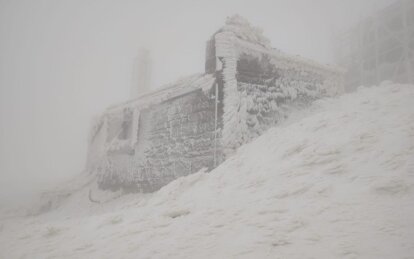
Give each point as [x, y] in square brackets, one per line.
[197, 122]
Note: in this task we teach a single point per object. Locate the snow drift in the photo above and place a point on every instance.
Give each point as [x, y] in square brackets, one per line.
[338, 183]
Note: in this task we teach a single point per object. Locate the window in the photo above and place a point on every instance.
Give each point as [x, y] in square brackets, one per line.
[126, 126]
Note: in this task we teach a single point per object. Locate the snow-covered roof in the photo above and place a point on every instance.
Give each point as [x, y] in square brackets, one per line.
[180, 87]
[289, 58]
[249, 37]
[241, 27]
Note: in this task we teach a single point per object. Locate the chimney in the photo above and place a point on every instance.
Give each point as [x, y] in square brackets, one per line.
[141, 77]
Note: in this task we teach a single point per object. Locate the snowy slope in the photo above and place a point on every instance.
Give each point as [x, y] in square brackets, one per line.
[338, 183]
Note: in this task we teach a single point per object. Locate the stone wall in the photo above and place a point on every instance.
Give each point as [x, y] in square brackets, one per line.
[270, 93]
[175, 138]
[261, 84]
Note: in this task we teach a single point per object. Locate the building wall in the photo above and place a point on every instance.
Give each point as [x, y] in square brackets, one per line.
[174, 138]
[261, 86]
[270, 93]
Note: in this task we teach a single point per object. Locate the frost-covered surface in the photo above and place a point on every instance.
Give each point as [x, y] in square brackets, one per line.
[282, 82]
[113, 141]
[115, 112]
[143, 144]
[180, 87]
[242, 29]
[338, 183]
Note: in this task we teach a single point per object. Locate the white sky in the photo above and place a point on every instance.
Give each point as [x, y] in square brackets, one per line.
[61, 62]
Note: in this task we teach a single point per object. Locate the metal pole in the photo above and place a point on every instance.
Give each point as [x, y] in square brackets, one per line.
[406, 53]
[376, 42]
[215, 124]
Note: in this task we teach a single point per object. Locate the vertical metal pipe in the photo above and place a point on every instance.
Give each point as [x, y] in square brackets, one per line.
[376, 43]
[215, 124]
[406, 53]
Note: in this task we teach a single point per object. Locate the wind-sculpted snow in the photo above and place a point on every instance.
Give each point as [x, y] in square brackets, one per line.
[338, 183]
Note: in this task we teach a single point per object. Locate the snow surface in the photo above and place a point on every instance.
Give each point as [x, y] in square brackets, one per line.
[335, 182]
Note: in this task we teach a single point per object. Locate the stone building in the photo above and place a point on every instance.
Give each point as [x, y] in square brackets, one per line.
[197, 122]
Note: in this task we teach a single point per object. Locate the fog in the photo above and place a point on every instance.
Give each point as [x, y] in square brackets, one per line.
[61, 62]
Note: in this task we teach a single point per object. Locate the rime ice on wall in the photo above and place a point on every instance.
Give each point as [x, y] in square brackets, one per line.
[143, 144]
[147, 142]
[261, 84]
